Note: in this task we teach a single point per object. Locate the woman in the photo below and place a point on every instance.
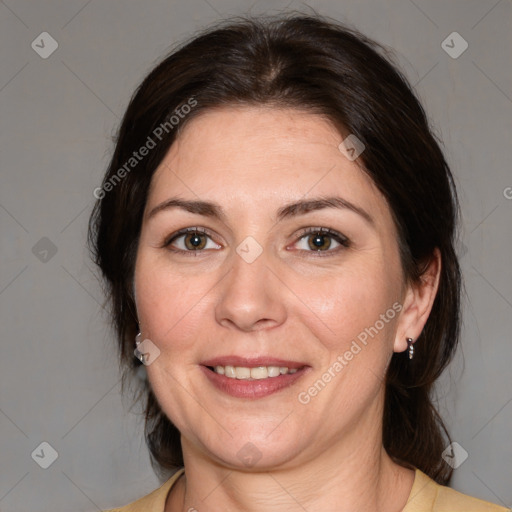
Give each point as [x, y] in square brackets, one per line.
[276, 230]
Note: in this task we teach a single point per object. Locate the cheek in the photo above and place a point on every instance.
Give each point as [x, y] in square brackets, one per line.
[172, 311]
[348, 306]
[170, 306]
[360, 309]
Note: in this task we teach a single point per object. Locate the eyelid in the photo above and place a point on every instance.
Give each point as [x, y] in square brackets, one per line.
[337, 236]
[167, 241]
[328, 231]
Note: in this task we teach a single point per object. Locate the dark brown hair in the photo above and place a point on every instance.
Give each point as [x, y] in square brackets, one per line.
[310, 63]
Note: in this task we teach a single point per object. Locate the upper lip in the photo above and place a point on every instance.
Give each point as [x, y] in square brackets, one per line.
[252, 362]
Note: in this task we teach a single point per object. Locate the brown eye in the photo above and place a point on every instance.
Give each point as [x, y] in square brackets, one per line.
[195, 241]
[321, 240]
[190, 240]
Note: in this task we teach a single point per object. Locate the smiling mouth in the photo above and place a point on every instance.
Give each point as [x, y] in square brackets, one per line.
[252, 373]
[263, 376]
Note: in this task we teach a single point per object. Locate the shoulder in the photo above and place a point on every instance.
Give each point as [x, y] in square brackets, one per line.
[451, 500]
[428, 496]
[154, 501]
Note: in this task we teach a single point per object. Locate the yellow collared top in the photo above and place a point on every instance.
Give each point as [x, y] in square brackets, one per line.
[426, 496]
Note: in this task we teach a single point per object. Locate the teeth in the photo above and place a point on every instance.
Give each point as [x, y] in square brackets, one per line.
[260, 372]
[229, 371]
[242, 373]
[254, 373]
[273, 371]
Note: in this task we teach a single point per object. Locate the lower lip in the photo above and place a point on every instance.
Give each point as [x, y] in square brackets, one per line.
[257, 388]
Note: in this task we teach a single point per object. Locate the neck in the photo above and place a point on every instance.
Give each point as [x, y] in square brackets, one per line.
[352, 473]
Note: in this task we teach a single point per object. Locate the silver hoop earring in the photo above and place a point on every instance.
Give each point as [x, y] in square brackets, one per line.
[139, 355]
[410, 342]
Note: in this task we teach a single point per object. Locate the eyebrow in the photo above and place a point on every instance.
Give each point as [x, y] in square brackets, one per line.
[214, 210]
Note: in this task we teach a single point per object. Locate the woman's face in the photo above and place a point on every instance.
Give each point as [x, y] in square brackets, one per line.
[258, 281]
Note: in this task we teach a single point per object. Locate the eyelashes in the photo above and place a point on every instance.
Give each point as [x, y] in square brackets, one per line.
[196, 240]
[197, 233]
[319, 235]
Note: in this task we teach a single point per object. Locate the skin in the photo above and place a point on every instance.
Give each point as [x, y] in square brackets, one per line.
[290, 303]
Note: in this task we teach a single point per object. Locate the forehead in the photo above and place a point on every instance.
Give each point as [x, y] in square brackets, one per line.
[253, 134]
[264, 155]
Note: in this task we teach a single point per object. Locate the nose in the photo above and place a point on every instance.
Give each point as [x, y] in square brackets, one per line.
[250, 296]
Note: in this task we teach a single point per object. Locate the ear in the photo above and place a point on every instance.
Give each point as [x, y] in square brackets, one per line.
[417, 303]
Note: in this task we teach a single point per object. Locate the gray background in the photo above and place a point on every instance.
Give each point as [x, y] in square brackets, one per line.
[59, 380]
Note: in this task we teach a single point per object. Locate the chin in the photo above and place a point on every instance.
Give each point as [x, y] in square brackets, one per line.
[256, 450]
